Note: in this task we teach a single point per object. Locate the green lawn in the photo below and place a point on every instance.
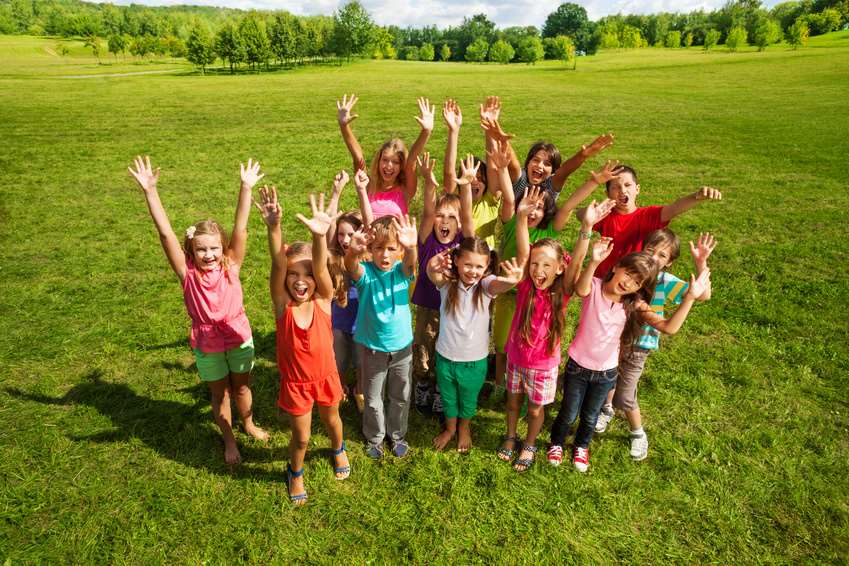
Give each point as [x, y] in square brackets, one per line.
[109, 452]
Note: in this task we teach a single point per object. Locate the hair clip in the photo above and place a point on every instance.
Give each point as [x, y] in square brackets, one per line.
[190, 232]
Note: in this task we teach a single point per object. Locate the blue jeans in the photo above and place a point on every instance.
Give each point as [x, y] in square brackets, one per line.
[584, 392]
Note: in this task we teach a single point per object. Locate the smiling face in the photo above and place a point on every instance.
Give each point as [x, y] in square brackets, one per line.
[539, 167]
[208, 251]
[478, 185]
[299, 279]
[384, 253]
[446, 223]
[389, 166]
[537, 214]
[624, 190]
[471, 267]
[661, 254]
[623, 282]
[544, 266]
[344, 231]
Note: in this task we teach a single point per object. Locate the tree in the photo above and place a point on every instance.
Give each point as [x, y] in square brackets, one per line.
[824, 22]
[630, 37]
[477, 50]
[426, 52]
[383, 44]
[530, 50]
[767, 33]
[352, 30]
[472, 29]
[445, 52]
[501, 52]
[787, 13]
[116, 44]
[199, 47]
[283, 36]
[229, 46]
[176, 47]
[798, 33]
[63, 50]
[571, 20]
[562, 48]
[736, 38]
[672, 39]
[255, 39]
[93, 43]
[711, 39]
[688, 39]
[410, 53]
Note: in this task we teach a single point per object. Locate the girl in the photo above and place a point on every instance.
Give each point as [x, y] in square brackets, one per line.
[612, 312]
[533, 346]
[393, 171]
[207, 266]
[301, 291]
[466, 286]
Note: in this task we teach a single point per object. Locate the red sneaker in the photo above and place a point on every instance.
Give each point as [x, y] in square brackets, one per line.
[555, 455]
[581, 459]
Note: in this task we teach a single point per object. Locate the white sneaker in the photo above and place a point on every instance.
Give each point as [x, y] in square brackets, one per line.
[639, 447]
[604, 418]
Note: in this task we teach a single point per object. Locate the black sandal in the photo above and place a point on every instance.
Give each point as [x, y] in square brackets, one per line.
[526, 462]
[506, 454]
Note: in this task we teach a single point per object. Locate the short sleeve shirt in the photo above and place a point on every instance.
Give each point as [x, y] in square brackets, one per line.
[384, 322]
[485, 215]
[596, 342]
[522, 184]
[628, 232]
[669, 288]
[508, 237]
[464, 332]
[426, 294]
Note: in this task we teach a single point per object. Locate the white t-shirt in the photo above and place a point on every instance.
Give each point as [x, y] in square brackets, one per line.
[464, 333]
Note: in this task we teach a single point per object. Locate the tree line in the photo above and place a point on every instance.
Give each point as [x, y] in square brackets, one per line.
[259, 39]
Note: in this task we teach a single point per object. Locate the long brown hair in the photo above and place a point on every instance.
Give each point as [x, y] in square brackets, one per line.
[397, 147]
[471, 245]
[336, 259]
[642, 267]
[558, 313]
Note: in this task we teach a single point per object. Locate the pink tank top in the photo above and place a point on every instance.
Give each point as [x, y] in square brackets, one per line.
[534, 355]
[388, 203]
[214, 303]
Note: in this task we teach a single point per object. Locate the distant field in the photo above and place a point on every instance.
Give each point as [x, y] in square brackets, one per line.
[109, 452]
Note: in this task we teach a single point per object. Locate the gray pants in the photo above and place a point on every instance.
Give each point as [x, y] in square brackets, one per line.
[389, 371]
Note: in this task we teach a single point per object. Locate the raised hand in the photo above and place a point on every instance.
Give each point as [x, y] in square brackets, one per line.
[452, 115]
[468, 170]
[425, 117]
[426, 166]
[320, 222]
[606, 173]
[699, 285]
[599, 144]
[441, 263]
[491, 108]
[493, 130]
[512, 271]
[250, 174]
[596, 211]
[601, 249]
[268, 205]
[340, 180]
[408, 236]
[361, 180]
[702, 249]
[360, 241]
[500, 158]
[707, 193]
[344, 108]
[531, 201]
[144, 175]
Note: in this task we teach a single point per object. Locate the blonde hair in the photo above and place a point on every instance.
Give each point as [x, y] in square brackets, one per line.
[207, 228]
[383, 229]
[397, 147]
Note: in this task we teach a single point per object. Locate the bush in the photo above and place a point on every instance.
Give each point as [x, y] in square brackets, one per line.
[736, 38]
[672, 39]
[711, 39]
[688, 39]
[531, 50]
[426, 52]
[501, 52]
[767, 33]
[477, 50]
[798, 33]
[445, 52]
[410, 53]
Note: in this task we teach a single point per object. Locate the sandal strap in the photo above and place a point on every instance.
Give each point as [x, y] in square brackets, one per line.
[292, 473]
[341, 449]
[532, 448]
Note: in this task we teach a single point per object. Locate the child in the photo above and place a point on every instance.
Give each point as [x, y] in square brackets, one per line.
[301, 290]
[484, 185]
[663, 246]
[383, 333]
[208, 268]
[629, 225]
[466, 288]
[533, 346]
[611, 313]
[440, 229]
[393, 172]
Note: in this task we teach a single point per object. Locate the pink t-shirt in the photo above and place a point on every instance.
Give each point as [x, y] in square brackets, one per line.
[596, 342]
[534, 355]
[391, 202]
[214, 303]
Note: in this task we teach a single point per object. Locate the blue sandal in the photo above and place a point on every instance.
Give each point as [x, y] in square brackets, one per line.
[526, 463]
[344, 470]
[290, 474]
[506, 454]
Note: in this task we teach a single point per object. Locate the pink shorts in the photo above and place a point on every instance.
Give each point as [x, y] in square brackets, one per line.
[540, 385]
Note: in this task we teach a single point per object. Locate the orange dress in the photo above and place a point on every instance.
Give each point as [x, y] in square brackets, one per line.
[306, 362]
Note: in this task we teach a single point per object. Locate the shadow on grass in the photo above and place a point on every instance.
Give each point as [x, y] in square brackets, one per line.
[183, 433]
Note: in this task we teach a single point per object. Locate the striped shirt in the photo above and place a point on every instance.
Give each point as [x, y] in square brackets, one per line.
[669, 288]
[521, 185]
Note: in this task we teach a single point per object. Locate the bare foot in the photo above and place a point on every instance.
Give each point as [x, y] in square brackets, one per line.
[341, 461]
[442, 439]
[464, 438]
[231, 454]
[256, 432]
[296, 488]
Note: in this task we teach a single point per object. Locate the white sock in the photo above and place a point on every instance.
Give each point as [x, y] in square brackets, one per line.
[607, 408]
[638, 432]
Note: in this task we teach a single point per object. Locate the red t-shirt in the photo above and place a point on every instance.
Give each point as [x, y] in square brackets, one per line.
[628, 232]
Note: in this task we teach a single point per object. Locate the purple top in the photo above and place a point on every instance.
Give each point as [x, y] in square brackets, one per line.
[426, 294]
[345, 318]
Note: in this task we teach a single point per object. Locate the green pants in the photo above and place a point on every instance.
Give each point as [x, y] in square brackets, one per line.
[459, 385]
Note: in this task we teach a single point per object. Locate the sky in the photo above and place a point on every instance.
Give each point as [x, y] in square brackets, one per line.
[444, 13]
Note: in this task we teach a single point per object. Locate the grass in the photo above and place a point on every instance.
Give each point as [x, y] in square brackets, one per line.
[109, 452]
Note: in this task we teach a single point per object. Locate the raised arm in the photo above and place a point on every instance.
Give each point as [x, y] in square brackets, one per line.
[572, 164]
[425, 120]
[513, 271]
[269, 209]
[498, 159]
[439, 268]
[595, 179]
[407, 237]
[361, 181]
[453, 119]
[684, 204]
[250, 176]
[147, 178]
[701, 252]
[339, 182]
[469, 171]
[426, 166]
[600, 250]
[344, 115]
[532, 200]
[492, 128]
[319, 225]
[698, 287]
[594, 213]
[359, 244]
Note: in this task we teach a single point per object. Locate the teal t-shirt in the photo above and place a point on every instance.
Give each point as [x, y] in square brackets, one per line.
[384, 322]
[669, 288]
[508, 237]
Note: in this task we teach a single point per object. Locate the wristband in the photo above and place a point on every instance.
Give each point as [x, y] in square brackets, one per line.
[585, 235]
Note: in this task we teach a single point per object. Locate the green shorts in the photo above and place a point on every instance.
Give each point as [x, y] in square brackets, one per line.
[218, 365]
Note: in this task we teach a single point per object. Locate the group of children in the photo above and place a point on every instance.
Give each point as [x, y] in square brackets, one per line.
[342, 302]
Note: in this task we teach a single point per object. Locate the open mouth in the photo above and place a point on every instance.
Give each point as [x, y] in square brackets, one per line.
[623, 200]
[444, 233]
[536, 176]
[540, 281]
[300, 290]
